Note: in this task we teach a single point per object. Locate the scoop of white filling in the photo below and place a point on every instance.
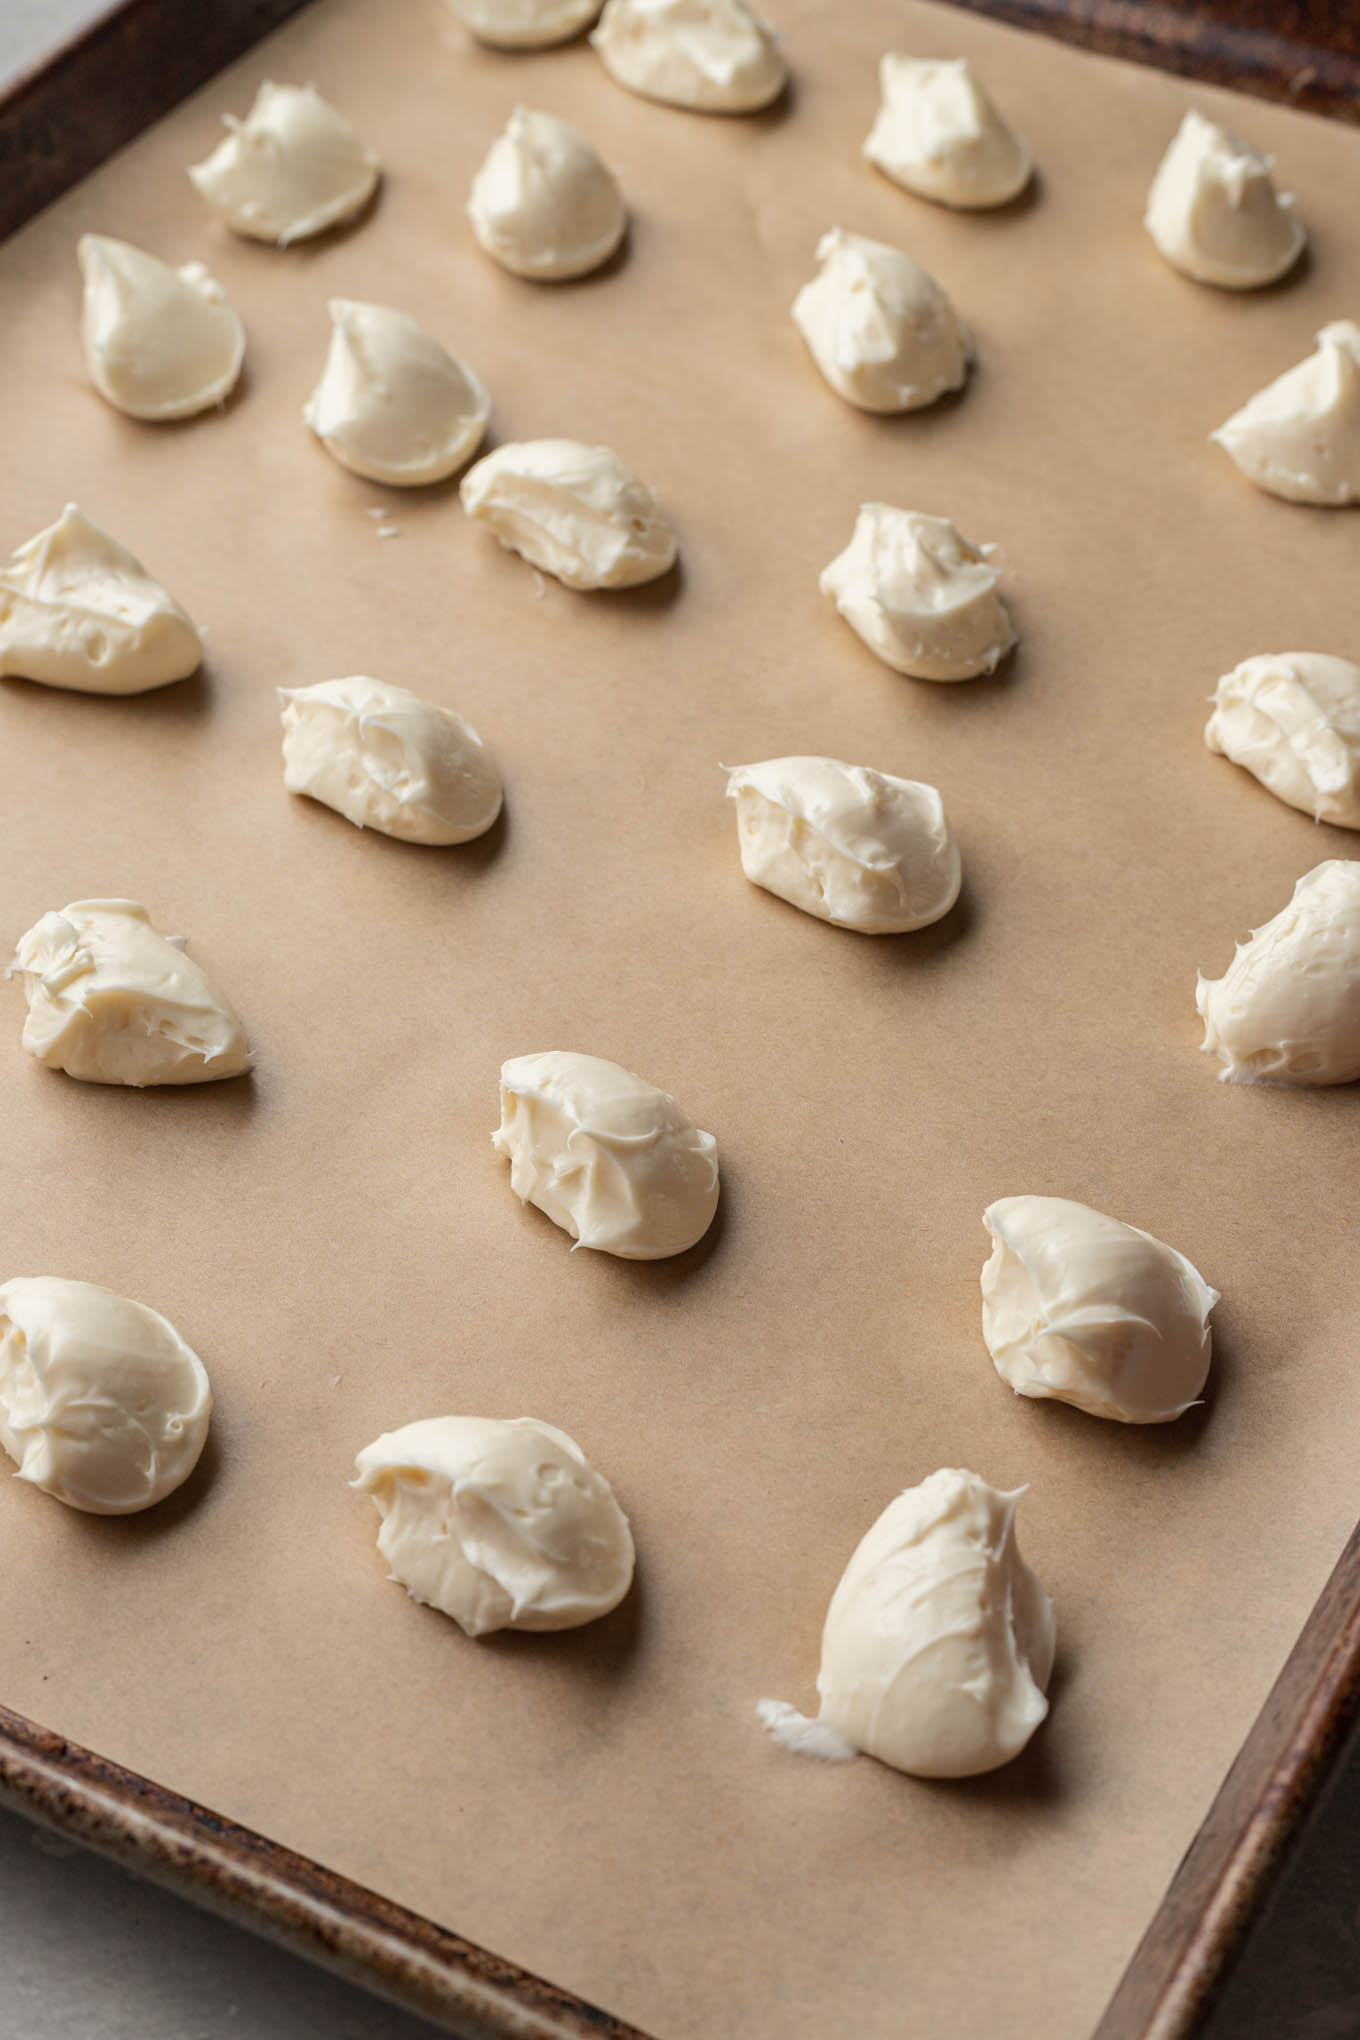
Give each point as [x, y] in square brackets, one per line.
[112, 1002]
[713, 56]
[880, 329]
[1299, 437]
[160, 343]
[939, 134]
[290, 169]
[524, 24]
[920, 595]
[392, 404]
[389, 761]
[1293, 720]
[1287, 1009]
[101, 1402]
[77, 610]
[1214, 212]
[853, 846]
[607, 1156]
[498, 1524]
[575, 511]
[1086, 1310]
[543, 204]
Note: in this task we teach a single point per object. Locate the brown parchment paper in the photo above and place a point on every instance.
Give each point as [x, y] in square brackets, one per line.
[335, 1235]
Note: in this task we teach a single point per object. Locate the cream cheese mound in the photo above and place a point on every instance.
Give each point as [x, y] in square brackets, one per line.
[525, 24]
[1299, 437]
[101, 1402]
[1214, 212]
[939, 134]
[880, 329]
[607, 1156]
[1287, 1009]
[389, 761]
[1293, 720]
[920, 595]
[713, 56]
[77, 610]
[290, 169]
[575, 511]
[543, 204]
[499, 1524]
[112, 1002]
[392, 404]
[939, 1641]
[1086, 1310]
[851, 845]
[160, 343]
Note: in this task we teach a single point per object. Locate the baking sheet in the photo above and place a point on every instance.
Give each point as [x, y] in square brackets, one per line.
[337, 1239]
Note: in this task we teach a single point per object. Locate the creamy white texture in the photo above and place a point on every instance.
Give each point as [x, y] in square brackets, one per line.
[853, 846]
[101, 1402]
[524, 24]
[160, 343]
[290, 169]
[606, 1155]
[1214, 212]
[920, 595]
[392, 404]
[387, 760]
[1287, 1009]
[1293, 720]
[77, 610]
[1299, 437]
[713, 56]
[543, 204]
[575, 511]
[939, 133]
[499, 1524]
[880, 329]
[112, 1002]
[1086, 1310]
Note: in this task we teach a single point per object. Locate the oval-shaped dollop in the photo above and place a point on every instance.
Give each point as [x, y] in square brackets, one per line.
[112, 1002]
[712, 56]
[1293, 720]
[290, 169]
[575, 511]
[1086, 1310]
[544, 205]
[607, 1156]
[77, 610]
[880, 329]
[1299, 437]
[392, 404]
[1214, 213]
[102, 1404]
[499, 1524]
[1287, 1009]
[160, 343]
[389, 761]
[940, 135]
[853, 846]
[524, 24]
[920, 595]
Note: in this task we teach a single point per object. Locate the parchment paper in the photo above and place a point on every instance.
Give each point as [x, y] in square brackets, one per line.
[336, 1237]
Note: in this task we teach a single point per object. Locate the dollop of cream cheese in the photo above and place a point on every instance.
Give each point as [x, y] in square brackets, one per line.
[160, 343]
[1287, 1009]
[387, 760]
[1086, 1310]
[525, 24]
[880, 329]
[713, 56]
[939, 134]
[77, 610]
[575, 511]
[290, 169]
[1214, 213]
[1299, 437]
[392, 404]
[606, 1155]
[939, 1641]
[499, 1524]
[851, 845]
[921, 595]
[544, 205]
[112, 1002]
[102, 1404]
[1293, 720]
